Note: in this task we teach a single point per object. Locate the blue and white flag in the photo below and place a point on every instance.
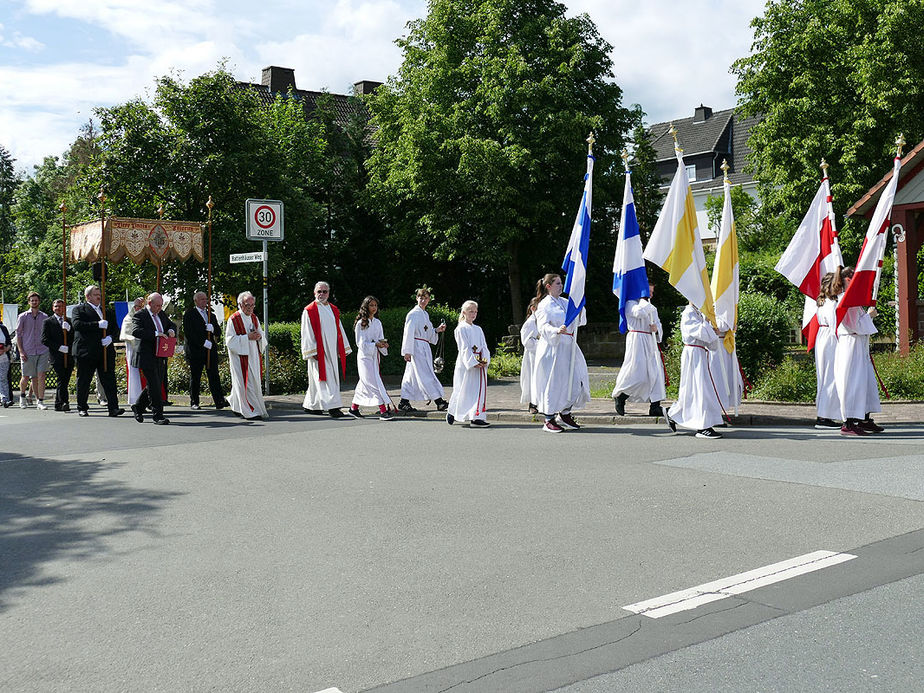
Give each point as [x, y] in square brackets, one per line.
[630, 280]
[575, 263]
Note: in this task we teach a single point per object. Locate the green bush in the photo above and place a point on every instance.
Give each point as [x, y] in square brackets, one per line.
[903, 376]
[763, 333]
[504, 364]
[792, 381]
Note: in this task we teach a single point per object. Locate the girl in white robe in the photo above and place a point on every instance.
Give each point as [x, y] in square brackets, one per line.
[641, 376]
[698, 406]
[554, 357]
[827, 403]
[420, 382]
[470, 377]
[134, 374]
[246, 387]
[854, 376]
[371, 346]
[529, 338]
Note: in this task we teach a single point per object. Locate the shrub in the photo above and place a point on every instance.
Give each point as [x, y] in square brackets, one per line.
[792, 381]
[763, 333]
[504, 364]
[903, 376]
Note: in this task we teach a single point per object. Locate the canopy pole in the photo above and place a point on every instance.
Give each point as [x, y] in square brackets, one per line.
[102, 257]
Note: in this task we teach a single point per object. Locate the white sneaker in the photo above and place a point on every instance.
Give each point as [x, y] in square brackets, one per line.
[41, 406]
[22, 403]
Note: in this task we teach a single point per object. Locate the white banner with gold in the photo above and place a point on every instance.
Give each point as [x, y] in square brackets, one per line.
[139, 239]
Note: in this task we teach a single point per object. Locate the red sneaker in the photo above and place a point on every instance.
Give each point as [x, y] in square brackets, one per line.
[853, 430]
[567, 421]
[551, 427]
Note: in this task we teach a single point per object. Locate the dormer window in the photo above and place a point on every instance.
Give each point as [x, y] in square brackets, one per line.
[691, 172]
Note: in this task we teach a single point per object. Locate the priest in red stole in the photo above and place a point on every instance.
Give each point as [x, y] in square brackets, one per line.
[246, 345]
[325, 347]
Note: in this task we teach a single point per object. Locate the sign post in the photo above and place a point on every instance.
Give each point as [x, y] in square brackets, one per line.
[264, 223]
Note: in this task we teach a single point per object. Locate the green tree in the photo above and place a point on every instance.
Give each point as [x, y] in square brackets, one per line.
[744, 209]
[833, 79]
[480, 140]
[8, 185]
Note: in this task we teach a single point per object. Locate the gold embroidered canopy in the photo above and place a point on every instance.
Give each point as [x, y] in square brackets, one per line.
[138, 239]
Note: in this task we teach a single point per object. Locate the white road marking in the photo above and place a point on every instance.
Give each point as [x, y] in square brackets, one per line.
[737, 584]
[331, 690]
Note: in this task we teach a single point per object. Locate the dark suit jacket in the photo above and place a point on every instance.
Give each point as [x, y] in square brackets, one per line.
[196, 335]
[88, 336]
[53, 337]
[145, 332]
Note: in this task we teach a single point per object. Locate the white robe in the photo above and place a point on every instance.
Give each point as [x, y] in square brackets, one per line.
[419, 382]
[697, 406]
[726, 372]
[827, 402]
[323, 395]
[248, 402]
[641, 375]
[370, 390]
[469, 382]
[553, 360]
[134, 374]
[855, 379]
[529, 338]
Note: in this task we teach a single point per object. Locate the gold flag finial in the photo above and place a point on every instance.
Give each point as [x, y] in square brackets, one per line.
[673, 131]
[625, 159]
[824, 166]
[160, 210]
[590, 142]
[63, 207]
[725, 168]
[101, 197]
[900, 143]
[210, 204]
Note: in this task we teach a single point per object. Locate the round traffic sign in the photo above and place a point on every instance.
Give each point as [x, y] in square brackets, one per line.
[264, 216]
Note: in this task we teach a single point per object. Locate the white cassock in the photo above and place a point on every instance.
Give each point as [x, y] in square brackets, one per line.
[641, 375]
[469, 382]
[134, 374]
[726, 372]
[244, 360]
[553, 360]
[323, 394]
[826, 399]
[419, 382]
[370, 390]
[853, 371]
[697, 404]
[529, 338]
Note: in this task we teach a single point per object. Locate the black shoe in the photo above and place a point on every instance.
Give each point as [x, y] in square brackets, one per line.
[162, 421]
[117, 412]
[822, 423]
[7, 403]
[620, 401]
[136, 412]
[221, 405]
[708, 433]
[336, 414]
[533, 409]
[386, 416]
[195, 406]
[441, 404]
[654, 409]
[479, 423]
[405, 407]
[168, 403]
[356, 413]
[313, 412]
[65, 407]
[671, 423]
[450, 419]
[82, 412]
[567, 421]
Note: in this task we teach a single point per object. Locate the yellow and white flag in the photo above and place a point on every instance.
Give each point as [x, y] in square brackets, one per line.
[725, 274]
[676, 247]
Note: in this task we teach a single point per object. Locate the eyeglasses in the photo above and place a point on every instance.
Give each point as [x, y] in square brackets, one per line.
[322, 291]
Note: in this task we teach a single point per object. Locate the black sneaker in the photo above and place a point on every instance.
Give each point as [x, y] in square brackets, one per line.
[441, 404]
[620, 401]
[480, 423]
[708, 433]
[313, 412]
[654, 409]
[406, 407]
[338, 414]
[823, 424]
[567, 421]
[356, 413]
[870, 426]
[386, 416]
[450, 419]
[671, 423]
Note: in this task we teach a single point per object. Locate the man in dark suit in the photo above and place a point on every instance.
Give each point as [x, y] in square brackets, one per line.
[56, 335]
[94, 352]
[148, 326]
[203, 332]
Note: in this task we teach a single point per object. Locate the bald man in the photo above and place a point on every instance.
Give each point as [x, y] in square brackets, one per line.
[148, 325]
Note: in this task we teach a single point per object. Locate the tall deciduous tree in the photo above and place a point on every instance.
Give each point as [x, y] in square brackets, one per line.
[834, 79]
[480, 136]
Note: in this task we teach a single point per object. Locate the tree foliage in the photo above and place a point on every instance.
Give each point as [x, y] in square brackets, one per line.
[480, 139]
[833, 79]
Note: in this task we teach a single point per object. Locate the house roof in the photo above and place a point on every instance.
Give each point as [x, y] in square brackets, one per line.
[915, 158]
[344, 106]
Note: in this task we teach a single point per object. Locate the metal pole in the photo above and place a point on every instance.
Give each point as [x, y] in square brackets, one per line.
[266, 363]
[102, 257]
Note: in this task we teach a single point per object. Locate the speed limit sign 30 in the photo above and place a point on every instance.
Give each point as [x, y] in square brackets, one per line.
[265, 220]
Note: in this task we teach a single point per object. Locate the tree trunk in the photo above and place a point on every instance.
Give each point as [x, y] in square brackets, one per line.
[513, 277]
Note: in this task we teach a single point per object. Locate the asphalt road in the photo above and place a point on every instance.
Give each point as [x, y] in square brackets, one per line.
[303, 553]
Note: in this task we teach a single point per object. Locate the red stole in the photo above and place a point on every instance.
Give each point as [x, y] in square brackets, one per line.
[238, 321]
[315, 319]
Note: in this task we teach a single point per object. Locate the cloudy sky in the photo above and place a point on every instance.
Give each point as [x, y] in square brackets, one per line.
[61, 58]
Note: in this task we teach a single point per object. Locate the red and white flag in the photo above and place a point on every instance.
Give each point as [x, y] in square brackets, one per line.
[811, 254]
[864, 287]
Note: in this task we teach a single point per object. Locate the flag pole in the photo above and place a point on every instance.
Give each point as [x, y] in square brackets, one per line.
[590, 151]
[899, 144]
[725, 381]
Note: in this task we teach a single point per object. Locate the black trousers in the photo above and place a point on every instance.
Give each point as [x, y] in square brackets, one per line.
[63, 372]
[86, 368]
[195, 380]
[154, 373]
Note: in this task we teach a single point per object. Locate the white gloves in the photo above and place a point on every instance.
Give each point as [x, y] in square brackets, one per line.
[103, 324]
[63, 348]
[210, 328]
[208, 344]
[66, 326]
[106, 341]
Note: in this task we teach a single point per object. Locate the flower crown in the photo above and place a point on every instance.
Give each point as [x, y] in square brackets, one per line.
[423, 288]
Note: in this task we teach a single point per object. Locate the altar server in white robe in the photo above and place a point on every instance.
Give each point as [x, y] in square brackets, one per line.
[134, 374]
[420, 383]
[371, 346]
[554, 359]
[529, 338]
[325, 347]
[854, 376]
[726, 371]
[470, 378]
[697, 406]
[827, 403]
[246, 345]
[641, 376]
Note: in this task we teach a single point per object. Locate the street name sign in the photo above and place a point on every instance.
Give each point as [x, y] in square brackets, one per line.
[246, 257]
